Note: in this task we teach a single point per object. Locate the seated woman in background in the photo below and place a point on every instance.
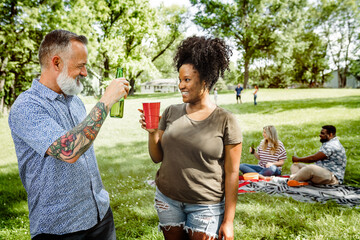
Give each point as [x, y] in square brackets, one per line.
[271, 154]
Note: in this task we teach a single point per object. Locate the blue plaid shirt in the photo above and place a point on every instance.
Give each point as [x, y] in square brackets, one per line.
[62, 197]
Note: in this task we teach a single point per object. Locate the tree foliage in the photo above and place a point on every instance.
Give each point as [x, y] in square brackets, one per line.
[339, 22]
[285, 42]
[23, 25]
[355, 68]
[249, 23]
[121, 33]
[131, 35]
[280, 42]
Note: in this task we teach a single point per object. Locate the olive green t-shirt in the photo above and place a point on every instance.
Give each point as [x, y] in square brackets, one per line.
[192, 169]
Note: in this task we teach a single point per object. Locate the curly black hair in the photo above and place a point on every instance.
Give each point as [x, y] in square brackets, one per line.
[209, 56]
[330, 129]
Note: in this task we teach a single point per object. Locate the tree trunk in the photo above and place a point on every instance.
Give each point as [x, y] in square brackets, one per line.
[106, 71]
[2, 83]
[132, 85]
[341, 79]
[246, 74]
[2, 106]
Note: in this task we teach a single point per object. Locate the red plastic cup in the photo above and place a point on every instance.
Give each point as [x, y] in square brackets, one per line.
[151, 113]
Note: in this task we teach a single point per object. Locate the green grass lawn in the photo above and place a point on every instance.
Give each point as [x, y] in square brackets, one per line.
[124, 163]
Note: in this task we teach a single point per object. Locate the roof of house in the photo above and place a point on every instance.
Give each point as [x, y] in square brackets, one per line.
[162, 82]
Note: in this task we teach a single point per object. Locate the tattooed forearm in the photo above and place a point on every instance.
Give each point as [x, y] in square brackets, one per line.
[75, 142]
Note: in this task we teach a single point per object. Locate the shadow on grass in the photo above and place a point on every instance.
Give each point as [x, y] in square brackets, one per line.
[270, 107]
[125, 170]
[12, 194]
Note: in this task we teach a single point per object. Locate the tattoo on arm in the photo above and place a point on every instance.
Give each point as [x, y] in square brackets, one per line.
[79, 139]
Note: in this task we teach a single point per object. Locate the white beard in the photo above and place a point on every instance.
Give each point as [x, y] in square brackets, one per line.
[68, 85]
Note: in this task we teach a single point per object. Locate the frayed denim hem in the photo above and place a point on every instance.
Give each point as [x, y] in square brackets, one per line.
[167, 226]
[210, 235]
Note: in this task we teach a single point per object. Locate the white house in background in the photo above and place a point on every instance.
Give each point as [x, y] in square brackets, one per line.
[351, 81]
[160, 85]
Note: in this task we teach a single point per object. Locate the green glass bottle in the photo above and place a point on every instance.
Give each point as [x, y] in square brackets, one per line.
[117, 110]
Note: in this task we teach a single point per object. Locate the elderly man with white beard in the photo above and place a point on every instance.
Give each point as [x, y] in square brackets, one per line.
[53, 139]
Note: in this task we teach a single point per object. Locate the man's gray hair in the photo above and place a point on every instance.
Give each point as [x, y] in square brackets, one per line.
[57, 42]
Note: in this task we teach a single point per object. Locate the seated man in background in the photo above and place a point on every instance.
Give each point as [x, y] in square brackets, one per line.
[330, 162]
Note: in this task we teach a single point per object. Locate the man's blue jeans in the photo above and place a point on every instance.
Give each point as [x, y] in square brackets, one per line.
[271, 171]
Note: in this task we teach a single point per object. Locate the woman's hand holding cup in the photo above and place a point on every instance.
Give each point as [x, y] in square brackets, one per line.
[143, 122]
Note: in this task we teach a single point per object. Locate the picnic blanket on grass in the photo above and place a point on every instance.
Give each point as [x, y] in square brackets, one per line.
[341, 194]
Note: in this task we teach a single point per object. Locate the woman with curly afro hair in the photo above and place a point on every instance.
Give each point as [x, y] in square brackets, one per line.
[199, 147]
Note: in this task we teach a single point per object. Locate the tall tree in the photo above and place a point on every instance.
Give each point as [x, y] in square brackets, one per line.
[277, 38]
[124, 33]
[300, 48]
[340, 26]
[310, 60]
[251, 24]
[167, 34]
[133, 36]
[22, 27]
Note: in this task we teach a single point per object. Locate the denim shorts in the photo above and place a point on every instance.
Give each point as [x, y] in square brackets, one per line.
[195, 217]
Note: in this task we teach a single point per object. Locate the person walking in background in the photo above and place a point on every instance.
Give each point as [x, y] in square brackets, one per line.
[199, 147]
[330, 162]
[238, 90]
[215, 95]
[53, 141]
[271, 154]
[255, 94]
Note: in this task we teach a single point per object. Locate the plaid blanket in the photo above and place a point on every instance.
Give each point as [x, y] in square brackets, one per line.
[342, 194]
